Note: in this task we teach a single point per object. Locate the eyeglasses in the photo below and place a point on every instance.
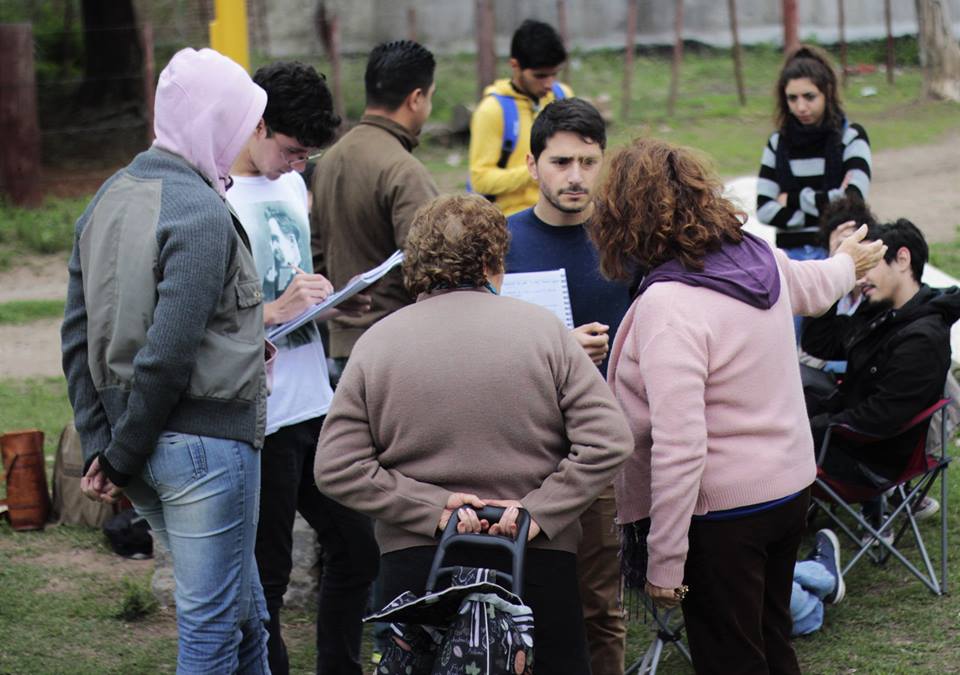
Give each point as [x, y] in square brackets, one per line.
[302, 159]
[299, 160]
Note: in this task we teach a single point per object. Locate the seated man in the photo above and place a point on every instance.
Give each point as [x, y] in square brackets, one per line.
[897, 348]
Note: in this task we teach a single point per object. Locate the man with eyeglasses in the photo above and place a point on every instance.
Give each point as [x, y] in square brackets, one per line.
[270, 198]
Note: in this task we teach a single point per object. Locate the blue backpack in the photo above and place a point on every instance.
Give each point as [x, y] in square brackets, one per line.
[511, 127]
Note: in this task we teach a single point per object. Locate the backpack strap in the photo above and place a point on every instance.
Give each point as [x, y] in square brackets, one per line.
[511, 128]
[558, 92]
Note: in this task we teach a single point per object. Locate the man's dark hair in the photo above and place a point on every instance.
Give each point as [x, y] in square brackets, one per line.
[395, 69]
[845, 209]
[568, 114]
[299, 104]
[537, 45]
[902, 233]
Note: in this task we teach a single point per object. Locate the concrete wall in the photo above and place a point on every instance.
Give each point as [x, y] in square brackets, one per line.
[448, 26]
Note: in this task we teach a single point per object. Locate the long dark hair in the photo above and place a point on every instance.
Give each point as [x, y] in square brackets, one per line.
[814, 64]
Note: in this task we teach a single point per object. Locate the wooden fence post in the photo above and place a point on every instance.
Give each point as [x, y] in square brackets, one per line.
[888, 19]
[19, 126]
[629, 50]
[149, 77]
[842, 20]
[412, 23]
[564, 36]
[737, 53]
[486, 55]
[791, 32]
[677, 57]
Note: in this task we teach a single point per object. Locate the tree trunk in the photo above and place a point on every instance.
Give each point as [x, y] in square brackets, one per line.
[112, 71]
[939, 51]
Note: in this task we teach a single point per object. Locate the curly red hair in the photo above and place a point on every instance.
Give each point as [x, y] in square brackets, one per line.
[660, 202]
[454, 241]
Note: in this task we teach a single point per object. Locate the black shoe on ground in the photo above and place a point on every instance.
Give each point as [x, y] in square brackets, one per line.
[827, 553]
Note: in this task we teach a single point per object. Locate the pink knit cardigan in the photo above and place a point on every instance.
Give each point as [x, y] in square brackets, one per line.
[711, 389]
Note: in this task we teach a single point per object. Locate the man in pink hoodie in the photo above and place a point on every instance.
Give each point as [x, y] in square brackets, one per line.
[163, 352]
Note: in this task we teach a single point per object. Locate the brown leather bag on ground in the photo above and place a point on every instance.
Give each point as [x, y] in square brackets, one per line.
[70, 507]
[27, 499]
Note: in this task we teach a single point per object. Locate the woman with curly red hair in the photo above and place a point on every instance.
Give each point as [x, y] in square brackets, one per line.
[705, 368]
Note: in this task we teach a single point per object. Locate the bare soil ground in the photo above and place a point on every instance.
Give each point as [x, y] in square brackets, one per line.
[921, 183]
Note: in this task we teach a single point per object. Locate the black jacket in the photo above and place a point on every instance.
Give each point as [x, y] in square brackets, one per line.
[897, 363]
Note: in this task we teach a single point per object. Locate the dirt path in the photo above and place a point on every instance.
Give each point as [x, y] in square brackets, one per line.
[921, 183]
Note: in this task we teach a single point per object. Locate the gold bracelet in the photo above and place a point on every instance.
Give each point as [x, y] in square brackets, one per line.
[681, 591]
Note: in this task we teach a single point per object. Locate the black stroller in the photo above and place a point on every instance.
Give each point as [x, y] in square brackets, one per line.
[474, 625]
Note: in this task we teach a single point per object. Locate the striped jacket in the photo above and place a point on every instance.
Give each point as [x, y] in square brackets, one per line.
[802, 211]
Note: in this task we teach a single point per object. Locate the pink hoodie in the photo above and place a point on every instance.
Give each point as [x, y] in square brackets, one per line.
[207, 107]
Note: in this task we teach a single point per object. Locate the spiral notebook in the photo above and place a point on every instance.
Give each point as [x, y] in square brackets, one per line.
[359, 283]
[547, 289]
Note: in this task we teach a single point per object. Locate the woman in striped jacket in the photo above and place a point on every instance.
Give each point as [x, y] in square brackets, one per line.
[816, 155]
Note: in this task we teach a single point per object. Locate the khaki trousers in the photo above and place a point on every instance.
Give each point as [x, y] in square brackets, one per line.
[598, 571]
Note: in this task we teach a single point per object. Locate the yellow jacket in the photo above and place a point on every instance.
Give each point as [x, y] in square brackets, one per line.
[513, 188]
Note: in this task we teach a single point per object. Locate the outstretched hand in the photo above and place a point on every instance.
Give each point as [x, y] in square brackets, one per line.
[866, 255]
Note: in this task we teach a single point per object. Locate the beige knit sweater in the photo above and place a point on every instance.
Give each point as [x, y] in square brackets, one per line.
[466, 391]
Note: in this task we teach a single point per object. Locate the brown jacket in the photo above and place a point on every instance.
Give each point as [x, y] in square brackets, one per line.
[366, 189]
[466, 391]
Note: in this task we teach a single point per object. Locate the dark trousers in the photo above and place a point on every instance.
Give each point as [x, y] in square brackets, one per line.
[740, 574]
[550, 589]
[350, 555]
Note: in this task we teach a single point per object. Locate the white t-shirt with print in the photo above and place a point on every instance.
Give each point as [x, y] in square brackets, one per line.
[274, 215]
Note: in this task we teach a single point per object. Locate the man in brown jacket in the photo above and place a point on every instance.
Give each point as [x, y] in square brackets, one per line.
[367, 187]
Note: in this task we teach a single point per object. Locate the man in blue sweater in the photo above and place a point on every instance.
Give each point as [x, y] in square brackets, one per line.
[566, 156]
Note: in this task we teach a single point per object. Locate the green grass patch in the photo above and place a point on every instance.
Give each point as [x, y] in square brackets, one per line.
[36, 404]
[47, 229]
[946, 256]
[25, 311]
[61, 607]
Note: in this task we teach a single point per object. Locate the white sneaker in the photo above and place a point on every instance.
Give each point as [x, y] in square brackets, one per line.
[886, 536]
[926, 508]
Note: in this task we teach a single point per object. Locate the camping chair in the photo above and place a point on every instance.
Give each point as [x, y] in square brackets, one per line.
[911, 486]
[669, 631]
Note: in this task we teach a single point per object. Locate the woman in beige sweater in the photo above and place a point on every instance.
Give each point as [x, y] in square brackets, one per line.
[468, 398]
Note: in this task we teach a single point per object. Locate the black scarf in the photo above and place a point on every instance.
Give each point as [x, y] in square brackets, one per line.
[824, 141]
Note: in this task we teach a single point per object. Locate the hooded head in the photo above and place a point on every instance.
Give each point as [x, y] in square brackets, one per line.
[206, 109]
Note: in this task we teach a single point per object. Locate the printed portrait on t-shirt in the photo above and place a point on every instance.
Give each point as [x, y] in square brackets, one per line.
[281, 248]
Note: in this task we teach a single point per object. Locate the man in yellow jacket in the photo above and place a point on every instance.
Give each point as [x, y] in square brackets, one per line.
[498, 159]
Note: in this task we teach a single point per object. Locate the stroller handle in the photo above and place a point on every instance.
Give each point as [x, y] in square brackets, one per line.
[515, 547]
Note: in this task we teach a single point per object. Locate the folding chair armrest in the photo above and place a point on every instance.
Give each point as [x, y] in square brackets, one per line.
[865, 437]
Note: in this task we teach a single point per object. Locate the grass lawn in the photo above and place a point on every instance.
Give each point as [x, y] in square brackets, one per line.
[25, 311]
[69, 606]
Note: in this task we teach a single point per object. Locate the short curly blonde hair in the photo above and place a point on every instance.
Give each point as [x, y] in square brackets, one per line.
[453, 242]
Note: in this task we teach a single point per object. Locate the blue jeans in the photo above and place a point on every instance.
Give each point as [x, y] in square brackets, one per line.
[200, 496]
[811, 584]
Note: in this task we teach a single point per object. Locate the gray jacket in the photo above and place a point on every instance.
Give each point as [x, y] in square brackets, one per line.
[163, 326]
